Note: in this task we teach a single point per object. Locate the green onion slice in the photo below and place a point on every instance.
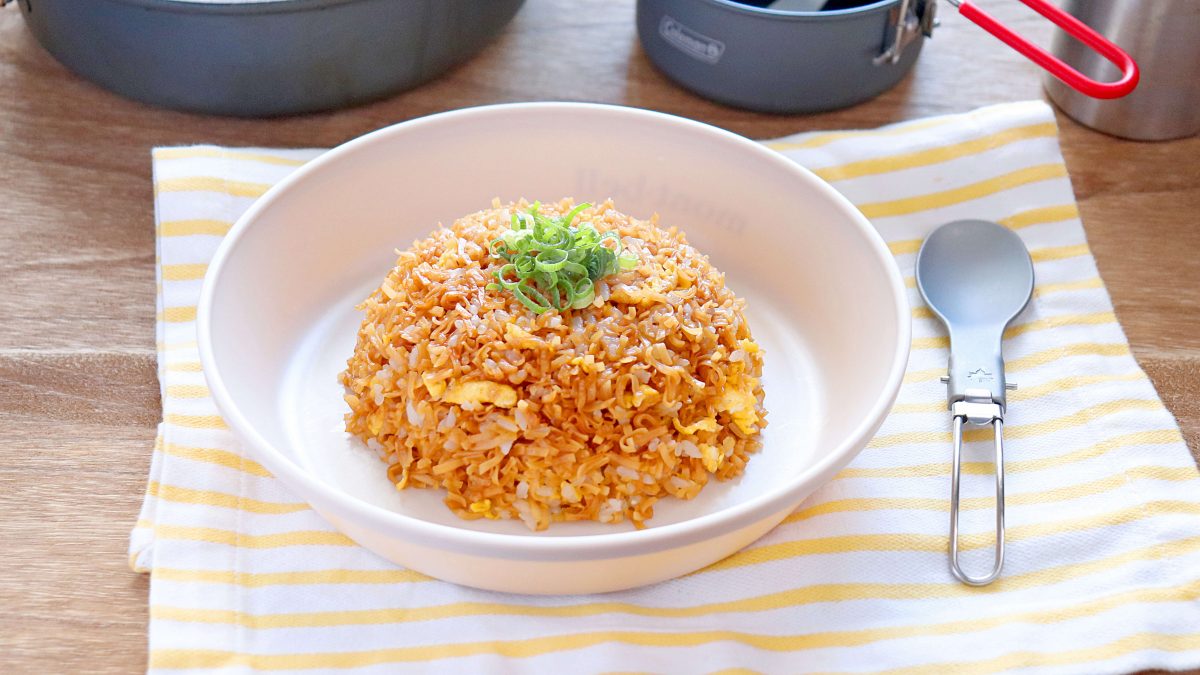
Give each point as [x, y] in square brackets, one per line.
[551, 259]
[549, 263]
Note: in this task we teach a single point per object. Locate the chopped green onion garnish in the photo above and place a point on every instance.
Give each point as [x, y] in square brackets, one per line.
[551, 264]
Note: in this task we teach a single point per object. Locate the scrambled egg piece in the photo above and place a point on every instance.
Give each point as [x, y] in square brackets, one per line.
[436, 386]
[706, 424]
[375, 422]
[515, 332]
[739, 403]
[626, 295]
[645, 396]
[587, 362]
[498, 394]
[711, 457]
[748, 346]
[484, 507]
[646, 292]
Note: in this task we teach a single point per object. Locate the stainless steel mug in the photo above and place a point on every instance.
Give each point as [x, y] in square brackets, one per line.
[1164, 37]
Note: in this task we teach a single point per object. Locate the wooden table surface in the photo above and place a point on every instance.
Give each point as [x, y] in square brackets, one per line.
[78, 393]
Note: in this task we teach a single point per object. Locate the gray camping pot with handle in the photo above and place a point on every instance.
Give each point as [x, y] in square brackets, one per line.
[784, 61]
[262, 57]
[793, 56]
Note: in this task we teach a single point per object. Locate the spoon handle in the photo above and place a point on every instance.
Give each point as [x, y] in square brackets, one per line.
[956, 479]
[975, 392]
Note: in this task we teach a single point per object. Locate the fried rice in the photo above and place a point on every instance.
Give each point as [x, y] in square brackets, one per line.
[585, 414]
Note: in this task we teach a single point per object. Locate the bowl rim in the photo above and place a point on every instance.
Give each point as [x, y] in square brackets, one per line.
[554, 547]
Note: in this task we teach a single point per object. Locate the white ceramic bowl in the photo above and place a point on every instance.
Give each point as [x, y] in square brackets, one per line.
[277, 322]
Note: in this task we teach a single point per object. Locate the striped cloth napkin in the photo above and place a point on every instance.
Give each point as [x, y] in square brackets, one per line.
[1103, 570]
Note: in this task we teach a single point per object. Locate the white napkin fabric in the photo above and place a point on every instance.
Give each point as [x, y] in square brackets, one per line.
[1103, 568]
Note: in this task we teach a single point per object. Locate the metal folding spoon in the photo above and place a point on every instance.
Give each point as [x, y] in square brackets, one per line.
[976, 276]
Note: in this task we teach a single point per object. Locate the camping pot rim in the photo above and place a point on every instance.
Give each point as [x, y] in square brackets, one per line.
[733, 6]
[232, 8]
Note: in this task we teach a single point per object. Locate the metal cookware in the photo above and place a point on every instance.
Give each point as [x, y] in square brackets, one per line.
[1164, 36]
[976, 276]
[262, 57]
[774, 59]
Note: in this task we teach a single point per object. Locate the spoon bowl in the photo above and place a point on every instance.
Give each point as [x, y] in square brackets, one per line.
[976, 276]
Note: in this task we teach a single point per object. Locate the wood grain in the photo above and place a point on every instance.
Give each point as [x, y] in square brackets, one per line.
[78, 393]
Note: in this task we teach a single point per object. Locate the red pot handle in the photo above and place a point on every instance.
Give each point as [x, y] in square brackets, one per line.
[1074, 27]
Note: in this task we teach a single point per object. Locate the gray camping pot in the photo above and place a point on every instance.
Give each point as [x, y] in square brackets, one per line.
[784, 61]
[791, 56]
[263, 57]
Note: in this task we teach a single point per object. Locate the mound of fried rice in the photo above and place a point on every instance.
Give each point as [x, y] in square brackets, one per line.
[589, 414]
